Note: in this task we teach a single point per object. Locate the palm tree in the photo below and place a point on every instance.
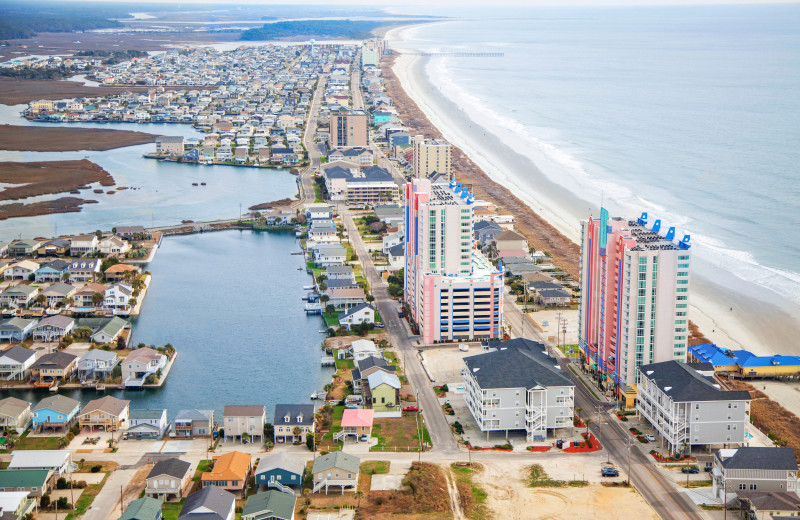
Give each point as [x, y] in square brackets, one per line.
[322, 286]
[359, 495]
[97, 299]
[296, 431]
[41, 299]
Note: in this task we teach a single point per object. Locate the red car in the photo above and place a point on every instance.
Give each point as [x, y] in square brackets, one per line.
[410, 409]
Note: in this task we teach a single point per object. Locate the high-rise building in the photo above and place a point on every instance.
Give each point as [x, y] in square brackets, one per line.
[453, 291]
[634, 297]
[431, 155]
[348, 129]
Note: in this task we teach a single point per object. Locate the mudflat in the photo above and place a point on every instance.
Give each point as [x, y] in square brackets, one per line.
[20, 91]
[30, 179]
[63, 139]
[62, 205]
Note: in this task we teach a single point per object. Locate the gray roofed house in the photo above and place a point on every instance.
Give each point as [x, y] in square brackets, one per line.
[761, 458]
[525, 390]
[18, 296]
[338, 272]
[341, 284]
[57, 292]
[269, 505]
[280, 470]
[210, 503]
[689, 382]
[290, 416]
[104, 330]
[58, 403]
[147, 424]
[97, 363]
[53, 328]
[485, 231]
[754, 468]
[14, 413]
[172, 467]
[16, 362]
[54, 365]
[336, 468]
[244, 420]
[144, 508]
[553, 297]
[193, 423]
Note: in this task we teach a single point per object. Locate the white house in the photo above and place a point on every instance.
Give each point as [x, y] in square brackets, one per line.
[147, 424]
[117, 298]
[113, 246]
[83, 245]
[364, 348]
[59, 461]
[20, 270]
[363, 313]
[15, 362]
[141, 363]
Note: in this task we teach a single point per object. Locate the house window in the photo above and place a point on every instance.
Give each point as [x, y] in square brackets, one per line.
[753, 487]
[742, 487]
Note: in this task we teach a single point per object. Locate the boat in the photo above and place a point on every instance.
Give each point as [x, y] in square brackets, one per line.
[323, 331]
[194, 184]
[297, 252]
[299, 268]
[308, 287]
[319, 395]
[202, 184]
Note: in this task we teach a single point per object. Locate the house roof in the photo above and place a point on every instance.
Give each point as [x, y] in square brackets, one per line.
[141, 414]
[194, 415]
[683, 382]
[398, 250]
[752, 457]
[58, 403]
[293, 410]
[16, 324]
[98, 355]
[60, 289]
[509, 235]
[517, 363]
[57, 359]
[771, 500]
[357, 308]
[18, 353]
[58, 321]
[90, 264]
[26, 264]
[358, 417]
[271, 504]
[121, 268]
[173, 467]
[145, 508]
[336, 459]
[554, 293]
[23, 478]
[21, 289]
[12, 407]
[380, 377]
[281, 460]
[56, 265]
[218, 501]
[228, 466]
[24, 459]
[339, 269]
[108, 404]
[244, 410]
[344, 292]
[374, 361]
[144, 355]
[364, 345]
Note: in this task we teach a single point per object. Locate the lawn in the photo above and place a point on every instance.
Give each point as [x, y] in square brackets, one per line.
[37, 443]
[317, 193]
[473, 497]
[348, 364]
[331, 319]
[398, 434]
[171, 510]
[202, 466]
[375, 467]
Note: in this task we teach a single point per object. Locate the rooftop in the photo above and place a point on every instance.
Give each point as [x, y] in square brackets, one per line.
[517, 363]
[684, 382]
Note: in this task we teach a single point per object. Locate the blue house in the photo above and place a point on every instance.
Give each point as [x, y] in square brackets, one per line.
[55, 412]
[16, 329]
[280, 470]
[51, 271]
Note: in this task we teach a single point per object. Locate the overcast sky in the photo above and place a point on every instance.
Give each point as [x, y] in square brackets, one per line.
[462, 3]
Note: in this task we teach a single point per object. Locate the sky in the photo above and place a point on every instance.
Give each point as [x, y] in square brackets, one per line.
[461, 3]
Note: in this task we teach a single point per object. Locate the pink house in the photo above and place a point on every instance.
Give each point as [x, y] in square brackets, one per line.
[357, 422]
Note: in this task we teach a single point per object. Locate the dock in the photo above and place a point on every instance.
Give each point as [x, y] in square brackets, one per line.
[313, 308]
[328, 361]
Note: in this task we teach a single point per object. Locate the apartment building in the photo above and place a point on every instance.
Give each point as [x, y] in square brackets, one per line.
[453, 291]
[348, 129]
[518, 387]
[634, 297]
[687, 408]
[754, 469]
[431, 156]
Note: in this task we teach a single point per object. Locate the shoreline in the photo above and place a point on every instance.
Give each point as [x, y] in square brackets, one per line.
[721, 314]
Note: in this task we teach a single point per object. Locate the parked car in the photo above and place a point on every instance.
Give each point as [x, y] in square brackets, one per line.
[364, 438]
[463, 347]
[650, 437]
[410, 409]
[379, 325]
[609, 472]
[351, 406]
[692, 470]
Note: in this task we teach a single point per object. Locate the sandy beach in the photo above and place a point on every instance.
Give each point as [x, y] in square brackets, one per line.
[547, 213]
[65, 139]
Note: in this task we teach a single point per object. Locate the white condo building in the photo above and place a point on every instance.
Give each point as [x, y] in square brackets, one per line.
[431, 156]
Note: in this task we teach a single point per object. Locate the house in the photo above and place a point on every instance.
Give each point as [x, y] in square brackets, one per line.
[53, 328]
[364, 348]
[105, 330]
[687, 408]
[54, 247]
[743, 363]
[83, 270]
[396, 257]
[108, 414]
[132, 233]
[97, 364]
[357, 422]
[83, 245]
[57, 293]
[280, 467]
[230, 472]
[511, 242]
[292, 422]
[144, 508]
[244, 420]
[365, 367]
[140, 364]
[340, 272]
[382, 392]
[168, 480]
[16, 505]
[18, 296]
[775, 505]
[113, 246]
[36, 482]
[553, 297]
[23, 247]
[485, 231]
[194, 423]
[343, 299]
[120, 272]
[210, 503]
[55, 412]
[269, 505]
[518, 387]
[335, 469]
[147, 424]
[57, 461]
[169, 145]
[360, 156]
[754, 469]
[363, 313]
[392, 240]
[90, 297]
[51, 271]
[118, 298]
[53, 366]
[15, 363]
[14, 413]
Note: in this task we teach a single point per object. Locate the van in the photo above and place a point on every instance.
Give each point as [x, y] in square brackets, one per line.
[463, 347]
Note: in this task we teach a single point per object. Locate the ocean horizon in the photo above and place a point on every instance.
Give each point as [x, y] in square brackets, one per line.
[690, 114]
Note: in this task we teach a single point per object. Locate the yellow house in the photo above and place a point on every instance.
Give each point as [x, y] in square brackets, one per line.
[382, 392]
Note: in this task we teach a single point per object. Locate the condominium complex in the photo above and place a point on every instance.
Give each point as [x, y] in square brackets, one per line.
[518, 386]
[431, 156]
[371, 51]
[453, 291]
[348, 129]
[687, 408]
[634, 297]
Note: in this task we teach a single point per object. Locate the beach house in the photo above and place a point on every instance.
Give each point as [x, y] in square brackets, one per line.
[337, 469]
[53, 328]
[56, 412]
[120, 272]
[364, 348]
[169, 480]
[194, 423]
[57, 461]
[83, 245]
[269, 505]
[752, 468]
[15, 363]
[210, 503]
[54, 247]
[54, 366]
[144, 508]
[292, 422]
[362, 313]
[140, 364]
[21, 270]
[356, 423]
[230, 472]
[51, 272]
[104, 330]
[147, 424]
[15, 413]
[16, 329]
[58, 292]
[382, 392]
[84, 270]
[36, 482]
[23, 247]
[17, 504]
[18, 296]
[97, 364]
[244, 422]
[367, 365]
[107, 414]
[280, 467]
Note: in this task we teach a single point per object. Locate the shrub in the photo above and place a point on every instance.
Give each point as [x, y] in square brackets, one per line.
[96, 468]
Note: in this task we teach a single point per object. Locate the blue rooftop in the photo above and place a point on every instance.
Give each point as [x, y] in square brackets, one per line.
[718, 356]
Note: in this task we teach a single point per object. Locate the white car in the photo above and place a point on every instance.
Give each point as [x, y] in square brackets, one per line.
[650, 437]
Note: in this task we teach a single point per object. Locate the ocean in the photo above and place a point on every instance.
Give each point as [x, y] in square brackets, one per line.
[691, 114]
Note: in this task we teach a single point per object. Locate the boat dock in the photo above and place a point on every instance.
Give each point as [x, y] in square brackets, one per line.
[328, 361]
[313, 308]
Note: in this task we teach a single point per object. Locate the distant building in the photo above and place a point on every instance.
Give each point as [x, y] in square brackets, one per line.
[431, 156]
[169, 145]
[348, 129]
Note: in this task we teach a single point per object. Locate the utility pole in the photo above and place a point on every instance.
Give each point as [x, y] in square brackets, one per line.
[71, 495]
[629, 462]
[121, 499]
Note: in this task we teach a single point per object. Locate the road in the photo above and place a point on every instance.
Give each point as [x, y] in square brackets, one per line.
[305, 180]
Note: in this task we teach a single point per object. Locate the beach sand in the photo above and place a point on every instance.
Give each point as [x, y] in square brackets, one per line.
[64, 139]
[546, 213]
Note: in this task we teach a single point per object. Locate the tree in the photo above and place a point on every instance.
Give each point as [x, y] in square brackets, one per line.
[67, 301]
[370, 298]
[40, 299]
[97, 299]
[296, 431]
[330, 309]
[322, 286]
[44, 502]
[359, 495]
[324, 297]
[245, 437]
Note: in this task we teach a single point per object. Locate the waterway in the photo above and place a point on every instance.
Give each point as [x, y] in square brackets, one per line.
[230, 303]
[159, 194]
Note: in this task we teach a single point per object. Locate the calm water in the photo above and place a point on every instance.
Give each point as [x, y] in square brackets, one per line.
[161, 193]
[690, 113]
[230, 303]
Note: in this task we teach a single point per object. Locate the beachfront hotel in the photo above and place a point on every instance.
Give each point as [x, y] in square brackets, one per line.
[431, 156]
[634, 298]
[348, 129]
[453, 291]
